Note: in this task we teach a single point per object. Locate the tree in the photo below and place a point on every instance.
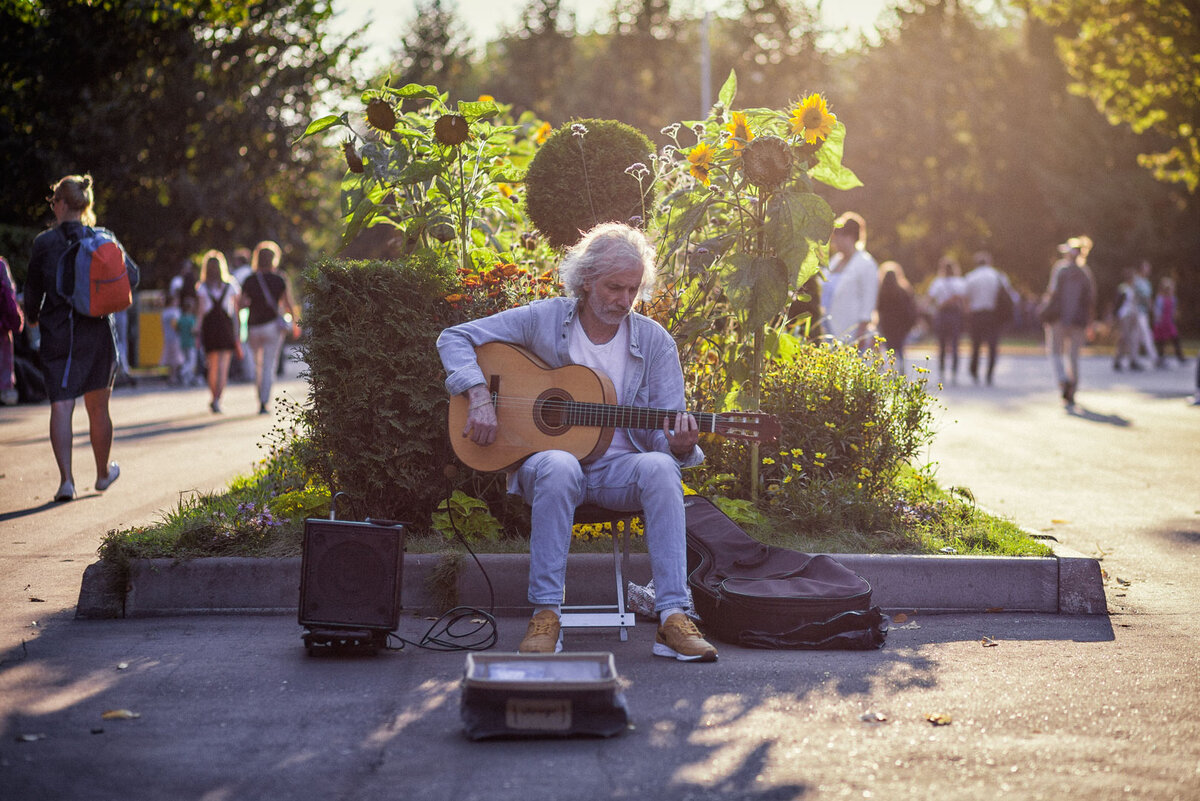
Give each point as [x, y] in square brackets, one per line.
[182, 111]
[532, 66]
[433, 48]
[1139, 62]
[773, 48]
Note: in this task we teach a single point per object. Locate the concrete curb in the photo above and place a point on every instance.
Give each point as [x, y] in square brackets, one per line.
[1067, 583]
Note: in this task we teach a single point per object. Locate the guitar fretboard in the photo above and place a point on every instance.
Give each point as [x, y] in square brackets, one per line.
[606, 415]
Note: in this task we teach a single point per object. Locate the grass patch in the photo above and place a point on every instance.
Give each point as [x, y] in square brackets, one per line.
[262, 515]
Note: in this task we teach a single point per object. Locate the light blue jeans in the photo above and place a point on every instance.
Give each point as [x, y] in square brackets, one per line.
[553, 483]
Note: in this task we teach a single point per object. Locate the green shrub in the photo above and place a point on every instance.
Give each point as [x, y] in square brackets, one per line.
[377, 408]
[579, 179]
[848, 425]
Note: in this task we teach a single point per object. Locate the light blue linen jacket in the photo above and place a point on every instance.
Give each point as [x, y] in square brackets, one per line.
[543, 327]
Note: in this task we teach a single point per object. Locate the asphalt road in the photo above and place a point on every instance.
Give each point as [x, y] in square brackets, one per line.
[232, 708]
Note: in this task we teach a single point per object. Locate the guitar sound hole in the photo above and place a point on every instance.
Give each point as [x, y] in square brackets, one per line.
[550, 412]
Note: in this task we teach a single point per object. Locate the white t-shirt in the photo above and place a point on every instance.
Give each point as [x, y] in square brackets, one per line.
[613, 360]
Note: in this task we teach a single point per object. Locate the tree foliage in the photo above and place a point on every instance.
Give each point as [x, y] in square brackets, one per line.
[183, 112]
[1139, 62]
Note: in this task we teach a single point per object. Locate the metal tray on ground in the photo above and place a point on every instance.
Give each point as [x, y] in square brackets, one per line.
[542, 695]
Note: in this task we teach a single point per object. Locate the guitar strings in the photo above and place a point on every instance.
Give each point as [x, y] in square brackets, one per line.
[591, 411]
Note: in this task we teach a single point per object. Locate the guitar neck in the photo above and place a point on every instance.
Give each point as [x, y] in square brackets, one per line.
[605, 415]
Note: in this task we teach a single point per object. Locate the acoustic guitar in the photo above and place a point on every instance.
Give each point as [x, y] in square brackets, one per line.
[571, 408]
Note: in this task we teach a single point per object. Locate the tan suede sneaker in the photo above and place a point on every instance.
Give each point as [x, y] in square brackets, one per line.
[679, 638]
[544, 635]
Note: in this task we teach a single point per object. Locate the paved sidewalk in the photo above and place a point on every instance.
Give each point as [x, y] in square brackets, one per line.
[230, 707]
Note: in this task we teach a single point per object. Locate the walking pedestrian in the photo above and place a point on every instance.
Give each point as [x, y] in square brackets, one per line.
[1125, 313]
[1143, 290]
[172, 353]
[265, 294]
[186, 328]
[218, 312]
[948, 294]
[78, 353]
[896, 310]
[12, 322]
[242, 369]
[851, 284]
[1067, 311]
[986, 311]
[1165, 331]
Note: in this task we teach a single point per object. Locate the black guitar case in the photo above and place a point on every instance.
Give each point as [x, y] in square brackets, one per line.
[763, 596]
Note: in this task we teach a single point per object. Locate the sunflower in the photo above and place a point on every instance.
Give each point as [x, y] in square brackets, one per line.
[380, 115]
[740, 132]
[812, 119]
[767, 161]
[701, 159]
[451, 129]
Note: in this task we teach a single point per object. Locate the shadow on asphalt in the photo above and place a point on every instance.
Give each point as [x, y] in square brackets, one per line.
[45, 507]
[1085, 413]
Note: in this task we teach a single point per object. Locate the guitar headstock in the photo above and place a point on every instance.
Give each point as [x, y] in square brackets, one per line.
[752, 426]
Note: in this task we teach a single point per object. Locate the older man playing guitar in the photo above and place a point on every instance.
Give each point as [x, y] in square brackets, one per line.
[595, 326]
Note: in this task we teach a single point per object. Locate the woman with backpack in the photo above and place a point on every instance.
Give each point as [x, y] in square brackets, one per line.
[78, 352]
[218, 297]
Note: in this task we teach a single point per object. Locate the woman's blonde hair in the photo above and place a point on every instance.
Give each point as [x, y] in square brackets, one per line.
[76, 192]
[268, 246]
[210, 257]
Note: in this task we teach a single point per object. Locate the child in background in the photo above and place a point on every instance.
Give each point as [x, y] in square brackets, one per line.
[186, 327]
[1165, 332]
[172, 354]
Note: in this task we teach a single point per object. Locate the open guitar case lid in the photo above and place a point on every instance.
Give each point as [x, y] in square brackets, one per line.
[763, 596]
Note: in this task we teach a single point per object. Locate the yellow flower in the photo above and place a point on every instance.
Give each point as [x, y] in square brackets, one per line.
[542, 133]
[701, 159]
[812, 119]
[740, 130]
[768, 460]
[486, 99]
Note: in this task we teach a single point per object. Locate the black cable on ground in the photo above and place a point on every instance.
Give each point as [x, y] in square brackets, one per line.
[463, 628]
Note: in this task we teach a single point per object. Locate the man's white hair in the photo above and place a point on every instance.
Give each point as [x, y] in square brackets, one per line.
[608, 248]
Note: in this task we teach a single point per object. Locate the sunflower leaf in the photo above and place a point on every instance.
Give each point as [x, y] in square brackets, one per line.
[829, 169]
[728, 90]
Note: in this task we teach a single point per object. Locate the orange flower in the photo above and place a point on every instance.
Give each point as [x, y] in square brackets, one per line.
[456, 298]
[542, 133]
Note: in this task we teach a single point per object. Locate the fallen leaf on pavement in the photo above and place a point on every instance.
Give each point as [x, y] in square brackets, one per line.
[900, 617]
[988, 642]
[120, 714]
[939, 719]
[913, 625]
[33, 600]
[873, 717]
[1056, 521]
[30, 738]
[122, 665]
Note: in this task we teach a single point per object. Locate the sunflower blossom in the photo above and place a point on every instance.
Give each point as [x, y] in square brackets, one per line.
[701, 158]
[812, 119]
[739, 131]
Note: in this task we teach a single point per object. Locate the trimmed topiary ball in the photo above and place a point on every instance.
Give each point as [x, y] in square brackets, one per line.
[579, 178]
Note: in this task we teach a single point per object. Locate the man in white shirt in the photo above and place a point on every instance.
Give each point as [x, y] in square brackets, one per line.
[850, 286]
[984, 285]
